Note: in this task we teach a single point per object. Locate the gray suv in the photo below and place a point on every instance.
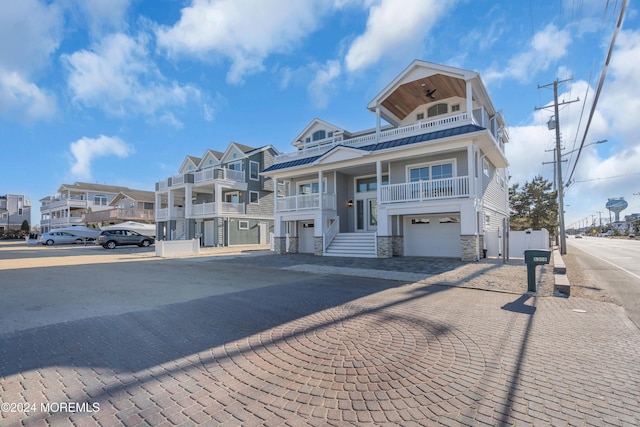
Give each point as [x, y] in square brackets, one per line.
[109, 239]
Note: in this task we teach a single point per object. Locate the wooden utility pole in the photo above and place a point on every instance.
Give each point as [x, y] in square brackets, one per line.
[558, 153]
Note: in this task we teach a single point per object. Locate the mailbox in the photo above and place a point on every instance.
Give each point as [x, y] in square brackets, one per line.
[532, 258]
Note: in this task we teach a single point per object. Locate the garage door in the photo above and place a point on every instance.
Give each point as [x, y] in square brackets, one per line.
[432, 235]
[305, 237]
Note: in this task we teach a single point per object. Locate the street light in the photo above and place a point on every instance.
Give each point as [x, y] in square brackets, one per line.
[586, 145]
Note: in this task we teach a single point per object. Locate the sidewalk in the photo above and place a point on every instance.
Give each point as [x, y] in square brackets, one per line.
[462, 345]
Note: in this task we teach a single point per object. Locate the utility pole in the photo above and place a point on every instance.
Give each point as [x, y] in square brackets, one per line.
[555, 173]
[563, 237]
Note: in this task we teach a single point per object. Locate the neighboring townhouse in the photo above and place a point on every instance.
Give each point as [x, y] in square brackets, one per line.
[74, 202]
[433, 182]
[219, 198]
[127, 205]
[14, 210]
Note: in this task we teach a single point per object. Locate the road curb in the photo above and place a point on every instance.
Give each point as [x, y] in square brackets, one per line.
[561, 285]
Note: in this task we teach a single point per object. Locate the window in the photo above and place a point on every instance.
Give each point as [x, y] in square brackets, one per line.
[100, 200]
[254, 169]
[370, 184]
[428, 172]
[311, 187]
[449, 219]
[254, 196]
[243, 225]
[147, 205]
[485, 167]
[307, 139]
[437, 110]
[235, 166]
[455, 107]
[19, 211]
[329, 134]
[418, 221]
[318, 135]
[232, 197]
[487, 220]
[420, 116]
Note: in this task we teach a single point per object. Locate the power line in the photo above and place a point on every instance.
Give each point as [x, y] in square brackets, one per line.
[600, 85]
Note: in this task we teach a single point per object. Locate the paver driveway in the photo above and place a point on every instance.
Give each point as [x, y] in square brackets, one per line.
[290, 348]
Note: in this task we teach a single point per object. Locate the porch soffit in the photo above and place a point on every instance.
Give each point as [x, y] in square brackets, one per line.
[408, 96]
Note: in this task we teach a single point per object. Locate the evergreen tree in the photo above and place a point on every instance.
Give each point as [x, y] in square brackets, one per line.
[25, 226]
[534, 206]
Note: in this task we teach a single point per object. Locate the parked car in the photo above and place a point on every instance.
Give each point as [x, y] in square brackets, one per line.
[59, 238]
[578, 236]
[109, 239]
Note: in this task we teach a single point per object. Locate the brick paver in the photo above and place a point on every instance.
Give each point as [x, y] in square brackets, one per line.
[336, 350]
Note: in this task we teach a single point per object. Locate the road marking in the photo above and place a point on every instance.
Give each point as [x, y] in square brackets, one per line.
[615, 265]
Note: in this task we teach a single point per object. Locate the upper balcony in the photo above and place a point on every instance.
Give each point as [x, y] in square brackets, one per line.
[229, 178]
[480, 117]
[120, 214]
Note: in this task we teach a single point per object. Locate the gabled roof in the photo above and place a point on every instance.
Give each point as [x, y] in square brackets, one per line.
[445, 133]
[193, 160]
[213, 153]
[238, 148]
[314, 122]
[86, 186]
[137, 195]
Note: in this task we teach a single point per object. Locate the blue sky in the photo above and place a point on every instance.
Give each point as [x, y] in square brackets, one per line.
[120, 91]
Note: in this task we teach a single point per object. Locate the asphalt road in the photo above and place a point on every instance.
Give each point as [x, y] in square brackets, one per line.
[614, 264]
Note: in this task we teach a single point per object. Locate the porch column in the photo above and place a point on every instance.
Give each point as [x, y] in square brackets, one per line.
[218, 199]
[320, 190]
[469, 99]
[471, 171]
[188, 203]
[171, 202]
[377, 123]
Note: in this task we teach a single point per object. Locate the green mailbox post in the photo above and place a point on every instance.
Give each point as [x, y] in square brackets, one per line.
[533, 257]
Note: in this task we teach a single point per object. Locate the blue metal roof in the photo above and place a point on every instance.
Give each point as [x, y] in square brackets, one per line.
[445, 133]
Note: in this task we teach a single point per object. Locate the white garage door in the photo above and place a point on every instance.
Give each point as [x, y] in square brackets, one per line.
[305, 237]
[432, 235]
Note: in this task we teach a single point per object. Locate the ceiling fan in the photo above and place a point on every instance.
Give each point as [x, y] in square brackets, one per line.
[430, 93]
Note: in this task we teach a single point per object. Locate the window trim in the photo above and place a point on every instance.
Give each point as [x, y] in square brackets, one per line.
[257, 193]
[241, 226]
[232, 193]
[237, 162]
[251, 164]
[452, 161]
[299, 183]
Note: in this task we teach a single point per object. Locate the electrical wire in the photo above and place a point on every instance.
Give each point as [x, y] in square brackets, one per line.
[600, 85]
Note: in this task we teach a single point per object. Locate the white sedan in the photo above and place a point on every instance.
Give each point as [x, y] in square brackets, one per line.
[59, 238]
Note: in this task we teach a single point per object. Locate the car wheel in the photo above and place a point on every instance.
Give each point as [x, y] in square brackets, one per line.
[110, 244]
[49, 242]
[145, 243]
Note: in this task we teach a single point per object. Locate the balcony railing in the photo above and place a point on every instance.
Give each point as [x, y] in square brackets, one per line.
[201, 210]
[320, 147]
[444, 188]
[163, 214]
[211, 174]
[302, 202]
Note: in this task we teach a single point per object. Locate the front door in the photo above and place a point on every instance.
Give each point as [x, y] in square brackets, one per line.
[367, 214]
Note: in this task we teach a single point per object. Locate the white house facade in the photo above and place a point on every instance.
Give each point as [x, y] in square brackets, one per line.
[432, 182]
[14, 210]
[219, 198]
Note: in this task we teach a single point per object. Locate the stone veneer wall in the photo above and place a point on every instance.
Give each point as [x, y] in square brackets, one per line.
[470, 247]
[385, 246]
[293, 245]
[279, 245]
[481, 245]
[398, 245]
[317, 246]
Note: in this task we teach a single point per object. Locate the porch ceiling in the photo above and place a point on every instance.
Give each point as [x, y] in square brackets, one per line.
[407, 97]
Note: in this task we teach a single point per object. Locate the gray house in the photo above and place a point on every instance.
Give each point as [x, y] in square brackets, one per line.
[219, 198]
[14, 209]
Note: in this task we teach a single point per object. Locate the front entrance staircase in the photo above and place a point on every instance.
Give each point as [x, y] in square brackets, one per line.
[361, 245]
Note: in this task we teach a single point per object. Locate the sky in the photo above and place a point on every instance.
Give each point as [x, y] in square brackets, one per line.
[118, 92]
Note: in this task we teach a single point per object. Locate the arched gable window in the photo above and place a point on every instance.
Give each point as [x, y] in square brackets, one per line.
[318, 135]
[437, 110]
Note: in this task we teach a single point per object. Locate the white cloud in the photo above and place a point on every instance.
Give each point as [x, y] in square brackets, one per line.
[23, 99]
[85, 150]
[394, 26]
[102, 15]
[31, 32]
[245, 32]
[119, 77]
[323, 84]
[546, 47]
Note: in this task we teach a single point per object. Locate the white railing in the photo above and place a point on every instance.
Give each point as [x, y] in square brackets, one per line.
[372, 138]
[444, 188]
[177, 180]
[162, 213]
[305, 202]
[330, 233]
[163, 185]
[166, 213]
[209, 209]
[210, 174]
